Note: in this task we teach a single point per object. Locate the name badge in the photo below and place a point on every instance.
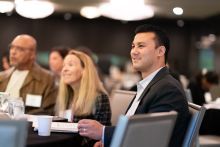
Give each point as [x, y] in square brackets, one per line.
[33, 100]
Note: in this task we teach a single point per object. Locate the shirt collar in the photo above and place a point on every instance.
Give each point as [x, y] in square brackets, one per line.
[144, 83]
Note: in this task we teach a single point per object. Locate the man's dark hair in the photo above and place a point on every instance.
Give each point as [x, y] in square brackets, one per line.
[161, 37]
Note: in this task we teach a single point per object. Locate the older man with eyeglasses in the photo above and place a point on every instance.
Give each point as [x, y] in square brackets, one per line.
[26, 79]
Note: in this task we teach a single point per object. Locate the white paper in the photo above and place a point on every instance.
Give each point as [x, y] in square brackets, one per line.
[64, 127]
[61, 127]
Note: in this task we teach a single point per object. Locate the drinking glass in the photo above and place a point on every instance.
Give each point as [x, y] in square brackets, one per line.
[4, 101]
[15, 107]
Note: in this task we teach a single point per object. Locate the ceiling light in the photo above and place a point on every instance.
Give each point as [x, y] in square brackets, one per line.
[6, 6]
[178, 11]
[90, 12]
[34, 9]
[128, 10]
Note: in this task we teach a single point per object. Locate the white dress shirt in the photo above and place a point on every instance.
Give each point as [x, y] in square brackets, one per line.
[15, 83]
[140, 89]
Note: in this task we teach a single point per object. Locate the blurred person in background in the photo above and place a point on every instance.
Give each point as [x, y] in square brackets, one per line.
[5, 61]
[82, 92]
[114, 80]
[130, 77]
[27, 79]
[202, 84]
[124, 78]
[56, 57]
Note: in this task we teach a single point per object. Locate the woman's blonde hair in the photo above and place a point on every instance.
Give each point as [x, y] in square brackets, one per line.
[83, 100]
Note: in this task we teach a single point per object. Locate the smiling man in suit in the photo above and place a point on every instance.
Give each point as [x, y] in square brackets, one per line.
[158, 91]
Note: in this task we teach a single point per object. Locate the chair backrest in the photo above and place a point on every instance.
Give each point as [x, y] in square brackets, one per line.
[119, 101]
[13, 133]
[197, 113]
[144, 130]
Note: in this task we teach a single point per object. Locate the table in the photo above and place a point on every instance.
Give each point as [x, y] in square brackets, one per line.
[54, 140]
[211, 122]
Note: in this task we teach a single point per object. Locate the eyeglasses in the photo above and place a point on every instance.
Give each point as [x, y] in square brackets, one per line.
[18, 48]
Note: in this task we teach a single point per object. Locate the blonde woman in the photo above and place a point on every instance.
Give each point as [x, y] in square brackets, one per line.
[81, 90]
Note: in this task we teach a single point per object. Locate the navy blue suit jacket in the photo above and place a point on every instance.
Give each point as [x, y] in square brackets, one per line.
[163, 94]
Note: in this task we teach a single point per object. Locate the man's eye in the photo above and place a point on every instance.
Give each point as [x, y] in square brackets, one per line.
[140, 46]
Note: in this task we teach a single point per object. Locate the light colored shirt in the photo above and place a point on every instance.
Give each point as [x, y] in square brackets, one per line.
[15, 82]
[140, 89]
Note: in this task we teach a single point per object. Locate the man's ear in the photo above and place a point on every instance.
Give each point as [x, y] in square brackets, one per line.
[161, 50]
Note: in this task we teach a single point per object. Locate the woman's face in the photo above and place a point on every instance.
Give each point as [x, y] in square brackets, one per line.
[72, 70]
[55, 62]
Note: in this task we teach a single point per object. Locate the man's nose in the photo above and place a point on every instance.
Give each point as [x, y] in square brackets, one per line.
[13, 50]
[134, 51]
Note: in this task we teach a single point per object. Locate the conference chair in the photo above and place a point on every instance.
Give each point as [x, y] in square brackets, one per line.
[197, 113]
[119, 101]
[144, 130]
[13, 133]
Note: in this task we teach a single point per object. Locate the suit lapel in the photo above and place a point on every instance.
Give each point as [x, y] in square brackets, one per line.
[130, 103]
[157, 77]
[164, 71]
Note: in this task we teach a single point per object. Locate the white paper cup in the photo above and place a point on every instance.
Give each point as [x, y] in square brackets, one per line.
[44, 125]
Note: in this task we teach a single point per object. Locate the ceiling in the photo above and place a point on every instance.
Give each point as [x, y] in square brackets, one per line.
[193, 9]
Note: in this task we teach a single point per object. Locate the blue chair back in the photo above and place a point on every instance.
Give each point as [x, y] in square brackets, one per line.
[13, 133]
[197, 114]
[144, 130]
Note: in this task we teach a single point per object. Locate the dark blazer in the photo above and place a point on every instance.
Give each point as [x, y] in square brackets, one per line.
[163, 94]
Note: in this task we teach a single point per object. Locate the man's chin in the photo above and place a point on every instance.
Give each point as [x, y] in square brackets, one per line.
[13, 65]
[136, 67]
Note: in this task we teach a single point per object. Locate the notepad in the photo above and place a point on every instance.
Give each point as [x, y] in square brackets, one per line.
[64, 127]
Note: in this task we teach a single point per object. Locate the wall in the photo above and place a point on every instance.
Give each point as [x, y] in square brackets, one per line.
[104, 36]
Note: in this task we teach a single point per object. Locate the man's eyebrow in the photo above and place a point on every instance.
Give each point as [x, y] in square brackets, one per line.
[140, 43]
